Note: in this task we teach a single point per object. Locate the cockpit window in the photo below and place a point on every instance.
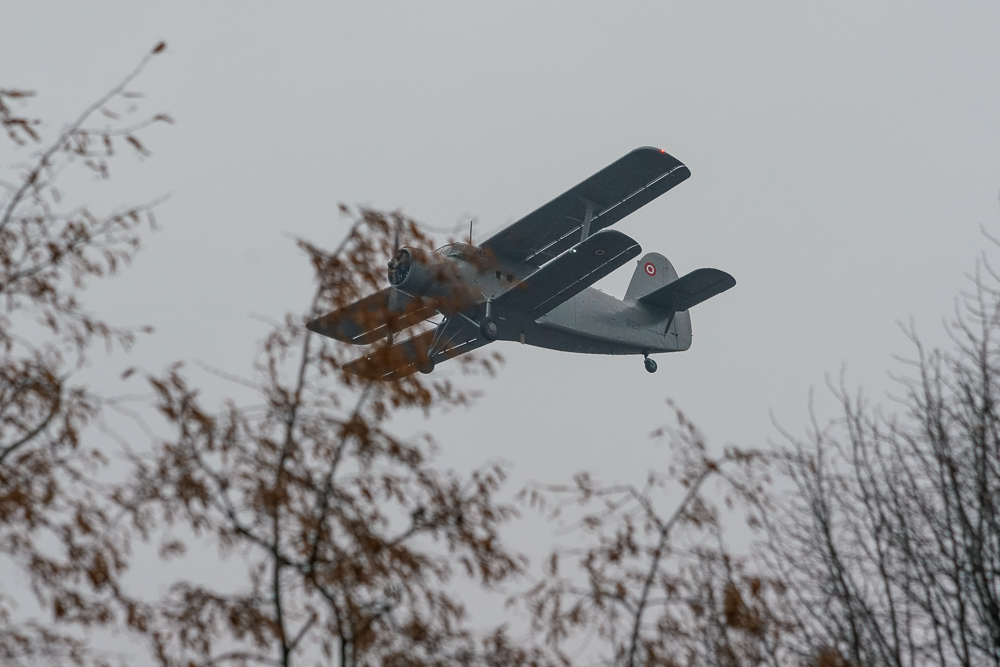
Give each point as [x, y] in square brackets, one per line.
[461, 251]
[446, 250]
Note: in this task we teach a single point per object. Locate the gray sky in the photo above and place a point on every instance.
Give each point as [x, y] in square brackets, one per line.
[844, 156]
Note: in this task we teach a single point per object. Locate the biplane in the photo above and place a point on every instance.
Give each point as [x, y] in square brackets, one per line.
[531, 283]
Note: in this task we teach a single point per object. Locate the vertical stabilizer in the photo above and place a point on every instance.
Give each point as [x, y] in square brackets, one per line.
[651, 273]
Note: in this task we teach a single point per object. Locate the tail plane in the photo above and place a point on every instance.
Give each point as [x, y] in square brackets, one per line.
[655, 283]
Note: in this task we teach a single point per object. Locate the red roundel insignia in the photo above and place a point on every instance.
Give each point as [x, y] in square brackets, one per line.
[650, 269]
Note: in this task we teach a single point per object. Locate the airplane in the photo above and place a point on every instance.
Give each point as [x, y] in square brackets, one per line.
[531, 282]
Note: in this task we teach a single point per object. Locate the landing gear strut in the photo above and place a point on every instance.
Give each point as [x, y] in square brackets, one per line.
[488, 326]
[649, 364]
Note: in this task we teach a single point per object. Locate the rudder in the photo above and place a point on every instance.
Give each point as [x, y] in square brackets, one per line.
[651, 273]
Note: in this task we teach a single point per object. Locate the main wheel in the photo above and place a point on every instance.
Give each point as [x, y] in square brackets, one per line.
[650, 365]
[427, 367]
[489, 328]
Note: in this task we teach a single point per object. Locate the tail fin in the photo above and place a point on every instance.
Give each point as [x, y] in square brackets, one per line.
[652, 272]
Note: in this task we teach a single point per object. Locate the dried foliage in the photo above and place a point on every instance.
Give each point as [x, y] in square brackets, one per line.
[56, 528]
[345, 536]
[325, 538]
[890, 541]
[649, 575]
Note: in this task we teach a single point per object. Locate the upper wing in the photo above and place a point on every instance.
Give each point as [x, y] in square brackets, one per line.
[454, 336]
[570, 273]
[372, 318]
[690, 290]
[612, 193]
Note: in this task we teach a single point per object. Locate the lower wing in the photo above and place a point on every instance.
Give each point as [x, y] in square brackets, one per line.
[373, 317]
[456, 335]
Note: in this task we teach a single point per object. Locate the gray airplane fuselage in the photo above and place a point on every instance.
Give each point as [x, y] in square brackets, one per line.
[593, 322]
[590, 322]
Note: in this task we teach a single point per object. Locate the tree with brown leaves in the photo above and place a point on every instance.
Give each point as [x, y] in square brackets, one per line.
[348, 537]
[648, 573]
[57, 538]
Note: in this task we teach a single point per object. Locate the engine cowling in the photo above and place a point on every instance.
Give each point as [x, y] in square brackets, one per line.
[420, 273]
[436, 279]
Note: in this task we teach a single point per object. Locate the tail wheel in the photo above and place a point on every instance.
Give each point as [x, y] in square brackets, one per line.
[650, 365]
[489, 328]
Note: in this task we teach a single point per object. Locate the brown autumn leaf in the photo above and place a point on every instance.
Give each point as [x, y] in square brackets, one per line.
[59, 534]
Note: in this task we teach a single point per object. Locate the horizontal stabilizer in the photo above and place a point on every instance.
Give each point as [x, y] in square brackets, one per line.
[690, 290]
[372, 318]
[570, 273]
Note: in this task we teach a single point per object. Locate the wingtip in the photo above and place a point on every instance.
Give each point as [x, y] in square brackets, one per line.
[661, 156]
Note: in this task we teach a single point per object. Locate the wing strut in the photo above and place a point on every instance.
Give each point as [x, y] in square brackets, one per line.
[587, 219]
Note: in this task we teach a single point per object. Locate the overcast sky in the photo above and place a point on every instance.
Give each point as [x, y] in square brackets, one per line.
[844, 156]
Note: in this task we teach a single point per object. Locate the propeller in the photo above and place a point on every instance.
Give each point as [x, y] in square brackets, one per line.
[399, 264]
[397, 272]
